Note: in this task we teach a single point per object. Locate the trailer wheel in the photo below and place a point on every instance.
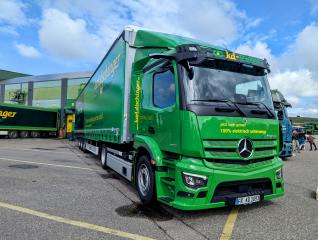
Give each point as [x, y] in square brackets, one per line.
[103, 157]
[80, 144]
[145, 180]
[24, 134]
[13, 134]
[35, 134]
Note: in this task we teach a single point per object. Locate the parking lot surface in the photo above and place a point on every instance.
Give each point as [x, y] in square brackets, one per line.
[51, 190]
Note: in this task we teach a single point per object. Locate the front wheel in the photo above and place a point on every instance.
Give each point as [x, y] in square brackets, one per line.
[145, 181]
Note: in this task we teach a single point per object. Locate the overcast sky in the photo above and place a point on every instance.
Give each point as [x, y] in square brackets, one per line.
[54, 36]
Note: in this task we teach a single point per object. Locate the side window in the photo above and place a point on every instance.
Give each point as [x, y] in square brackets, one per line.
[164, 89]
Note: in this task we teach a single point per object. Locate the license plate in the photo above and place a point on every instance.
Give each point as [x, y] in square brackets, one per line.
[247, 200]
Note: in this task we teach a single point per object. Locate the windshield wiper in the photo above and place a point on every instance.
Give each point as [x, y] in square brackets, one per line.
[210, 100]
[237, 108]
[269, 112]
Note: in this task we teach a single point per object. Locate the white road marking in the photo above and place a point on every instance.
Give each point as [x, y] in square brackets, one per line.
[47, 164]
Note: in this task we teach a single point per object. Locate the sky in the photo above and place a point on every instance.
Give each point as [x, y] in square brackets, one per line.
[57, 36]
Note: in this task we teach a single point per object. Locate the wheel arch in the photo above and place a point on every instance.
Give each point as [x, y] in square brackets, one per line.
[146, 145]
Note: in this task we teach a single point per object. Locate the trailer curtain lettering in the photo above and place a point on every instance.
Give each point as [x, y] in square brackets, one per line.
[137, 103]
[6, 114]
[108, 71]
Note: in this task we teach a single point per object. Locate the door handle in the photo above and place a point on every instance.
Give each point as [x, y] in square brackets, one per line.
[151, 130]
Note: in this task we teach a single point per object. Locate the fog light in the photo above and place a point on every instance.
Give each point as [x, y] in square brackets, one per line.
[279, 173]
[194, 180]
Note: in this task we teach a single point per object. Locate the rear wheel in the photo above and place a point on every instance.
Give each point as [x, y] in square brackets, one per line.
[13, 134]
[103, 157]
[145, 180]
[24, 134]
[35, 134]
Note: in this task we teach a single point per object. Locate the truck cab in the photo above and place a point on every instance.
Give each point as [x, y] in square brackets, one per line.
[212, 120]
[281, 105]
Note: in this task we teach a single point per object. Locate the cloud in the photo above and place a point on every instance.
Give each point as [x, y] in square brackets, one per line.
[27, 51]
[295, 83]
[295, 71]
[303, 112]
[258, 49]
[68, 38]
[83, 30]
[8, 30]
[303, 53]
[12, 13]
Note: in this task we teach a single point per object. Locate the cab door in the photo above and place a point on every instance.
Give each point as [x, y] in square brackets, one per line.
[159, 114]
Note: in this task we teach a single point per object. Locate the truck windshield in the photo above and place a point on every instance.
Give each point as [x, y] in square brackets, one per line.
[215, 81]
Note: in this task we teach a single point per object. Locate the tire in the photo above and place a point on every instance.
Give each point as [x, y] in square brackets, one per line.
[145, 181]
[35, 134]
[84, 147]
[24, 134]
[13, 134]
[103, 157]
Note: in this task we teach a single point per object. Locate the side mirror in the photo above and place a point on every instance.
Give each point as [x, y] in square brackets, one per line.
[280, 115]
[189, 69]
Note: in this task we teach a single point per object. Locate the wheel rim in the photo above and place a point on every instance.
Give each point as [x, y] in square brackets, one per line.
[143, 179]
[103, 156]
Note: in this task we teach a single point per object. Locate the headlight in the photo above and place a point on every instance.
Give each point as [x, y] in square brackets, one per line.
[279, 173]
[193, 180]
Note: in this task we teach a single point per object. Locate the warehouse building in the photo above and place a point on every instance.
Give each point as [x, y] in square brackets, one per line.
[52, 91]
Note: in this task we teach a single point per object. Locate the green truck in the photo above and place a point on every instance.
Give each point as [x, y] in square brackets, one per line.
[191, 125]
[23, 121]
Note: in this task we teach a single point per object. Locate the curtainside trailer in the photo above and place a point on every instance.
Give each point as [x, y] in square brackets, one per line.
[190, 124]
[23, 121]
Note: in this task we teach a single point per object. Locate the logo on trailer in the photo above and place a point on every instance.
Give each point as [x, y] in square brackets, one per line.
[245, 148]
[7, 114]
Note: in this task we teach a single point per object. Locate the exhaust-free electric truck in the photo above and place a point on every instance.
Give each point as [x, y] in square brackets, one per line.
[191, 125]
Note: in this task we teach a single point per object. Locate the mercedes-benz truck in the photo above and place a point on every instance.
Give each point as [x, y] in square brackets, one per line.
[189, 124]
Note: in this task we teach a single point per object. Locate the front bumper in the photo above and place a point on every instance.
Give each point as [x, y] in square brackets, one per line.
[201, 198]
[287, 150]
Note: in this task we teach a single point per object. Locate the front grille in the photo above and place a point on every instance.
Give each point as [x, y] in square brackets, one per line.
[226, 149]
[228, 190]
[240, 162]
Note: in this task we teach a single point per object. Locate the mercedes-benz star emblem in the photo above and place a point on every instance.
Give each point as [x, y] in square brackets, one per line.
[245, 148]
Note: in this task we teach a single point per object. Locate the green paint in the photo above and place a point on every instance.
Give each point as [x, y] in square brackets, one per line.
[181, 139]
[19, 117]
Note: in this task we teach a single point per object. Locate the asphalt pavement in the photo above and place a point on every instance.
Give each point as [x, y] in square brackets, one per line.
[51, 190]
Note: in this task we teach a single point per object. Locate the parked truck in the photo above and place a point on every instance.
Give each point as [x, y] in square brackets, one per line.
[281, 105]
[191, 125]
[23, 121]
